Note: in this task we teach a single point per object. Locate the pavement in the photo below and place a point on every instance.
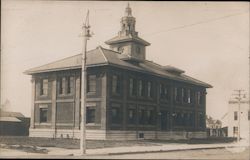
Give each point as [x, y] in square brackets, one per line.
[170, 147]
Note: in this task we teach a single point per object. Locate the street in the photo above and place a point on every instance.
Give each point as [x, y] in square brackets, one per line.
[190, 154]
[241, 153]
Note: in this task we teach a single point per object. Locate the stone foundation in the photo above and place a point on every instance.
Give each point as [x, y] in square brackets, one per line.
[116, 134]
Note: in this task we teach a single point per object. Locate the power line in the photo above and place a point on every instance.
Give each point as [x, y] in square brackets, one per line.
[197, 23]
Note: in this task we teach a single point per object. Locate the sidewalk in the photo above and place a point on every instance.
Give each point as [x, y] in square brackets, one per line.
[146, 149]
[170, 147]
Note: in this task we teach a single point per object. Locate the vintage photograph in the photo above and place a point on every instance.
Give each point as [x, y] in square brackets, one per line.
[125, 80]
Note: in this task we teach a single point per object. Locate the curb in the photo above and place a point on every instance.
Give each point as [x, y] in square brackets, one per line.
[174, 150]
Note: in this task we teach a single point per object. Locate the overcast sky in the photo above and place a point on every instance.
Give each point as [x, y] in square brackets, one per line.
[209, 40]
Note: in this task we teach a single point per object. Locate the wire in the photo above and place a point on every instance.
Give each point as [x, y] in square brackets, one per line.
[193, 24]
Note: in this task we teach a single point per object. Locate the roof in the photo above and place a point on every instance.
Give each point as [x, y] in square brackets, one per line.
[119, 39]
[10, 114]
[101, 56]
[9, 119]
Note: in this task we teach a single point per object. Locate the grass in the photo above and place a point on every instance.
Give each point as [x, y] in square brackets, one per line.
[68, 143]
[93, 144]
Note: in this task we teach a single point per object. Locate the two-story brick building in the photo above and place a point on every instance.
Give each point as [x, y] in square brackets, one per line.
[128, 97]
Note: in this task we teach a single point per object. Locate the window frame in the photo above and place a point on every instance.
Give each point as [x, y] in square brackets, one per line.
[92, 83]
[41, 112]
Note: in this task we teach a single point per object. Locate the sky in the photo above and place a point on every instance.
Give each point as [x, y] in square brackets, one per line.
[209, 40]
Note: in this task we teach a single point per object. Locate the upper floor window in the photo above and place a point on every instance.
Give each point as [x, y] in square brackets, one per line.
[69, 84]
[164, 91]
[60, 85]
[141, 88]
[177, 94]
[65, 85]
[199, 98]
[115, 84]
[44, 87]
[235, 115]
[132, 87]
[149, 89]
[188, 96]
[91, 83]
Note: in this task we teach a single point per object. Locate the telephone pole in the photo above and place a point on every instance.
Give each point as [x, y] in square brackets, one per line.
[239, 95]
[86, 35]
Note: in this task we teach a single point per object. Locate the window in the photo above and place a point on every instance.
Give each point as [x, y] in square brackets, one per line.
[131, 116]
[90, 115]
[141, 88]
[149, 89]
[150, 117]
[182, 94]
[44, 87]
[235, 115]
[69, 82]
[164, 92]
[115, 115]
[188, 96]
[138, 49]
[43, 115]
[199, 98]
[91, 87]
[142, 116]
[132, 87]
[115, 84]
[164, 120]
[235, 130]
[201, 120]
[60, 85]
[120, 49]
[178, 94]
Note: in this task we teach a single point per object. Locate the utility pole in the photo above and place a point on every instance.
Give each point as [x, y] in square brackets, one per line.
[86, 35]
[239, 97]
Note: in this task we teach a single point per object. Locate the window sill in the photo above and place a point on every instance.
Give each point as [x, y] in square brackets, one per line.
[91, 93]
[65, 95]
[93, 124]
[43, 123]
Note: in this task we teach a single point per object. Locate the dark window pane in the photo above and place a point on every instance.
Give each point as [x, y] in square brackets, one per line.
[90, 115]
[43, 115]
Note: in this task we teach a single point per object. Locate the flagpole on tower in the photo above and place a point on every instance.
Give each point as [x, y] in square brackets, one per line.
[86, 35]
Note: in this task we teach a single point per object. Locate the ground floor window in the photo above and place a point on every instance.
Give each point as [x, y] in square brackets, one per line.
[90, 115]
[164, 120]
[116, 115]
[43, 115]
[131, 116]
[183, 119]
[146, 116]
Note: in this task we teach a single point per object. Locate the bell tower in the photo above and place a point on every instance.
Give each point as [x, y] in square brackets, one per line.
[127, 41]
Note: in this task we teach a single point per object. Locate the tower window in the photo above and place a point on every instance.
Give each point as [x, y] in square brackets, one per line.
[120, 49]
[138, 49]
